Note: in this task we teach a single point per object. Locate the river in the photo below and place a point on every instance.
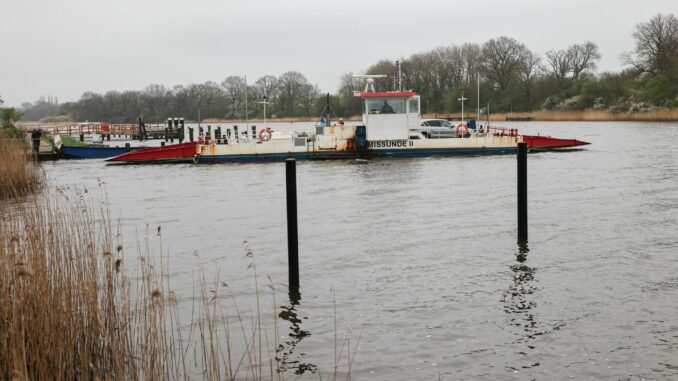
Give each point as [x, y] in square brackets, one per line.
[418, 257]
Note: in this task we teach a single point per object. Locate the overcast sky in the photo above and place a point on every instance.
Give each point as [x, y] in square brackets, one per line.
[64, 48]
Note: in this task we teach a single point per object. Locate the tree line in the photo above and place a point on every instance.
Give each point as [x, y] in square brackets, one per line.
[290, 94]
[511, 76]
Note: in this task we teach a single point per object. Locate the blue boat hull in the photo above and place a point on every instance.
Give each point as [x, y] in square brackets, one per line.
[347, 155]
[91, 152]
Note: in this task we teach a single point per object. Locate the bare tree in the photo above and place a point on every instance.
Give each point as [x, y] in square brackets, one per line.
[156, 100]
[347, 85]
[267, 86]
[501, 58]
[559, 66]
[234, 88]
[582, 57]
[471, 56]
[351, 104]
[656, 45]
[291, 86]
[386, 67]
[212, 97]
[309, 95]
[528, 70]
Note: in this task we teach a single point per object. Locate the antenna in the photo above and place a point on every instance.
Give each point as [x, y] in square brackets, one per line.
[400, 76]
[369, 83]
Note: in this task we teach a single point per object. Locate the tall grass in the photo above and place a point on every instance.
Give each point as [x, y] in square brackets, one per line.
[75, 304]
[19, 174]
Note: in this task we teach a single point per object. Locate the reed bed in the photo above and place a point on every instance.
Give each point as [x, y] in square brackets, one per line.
[75, 304]
[658, 115]
[19, 174]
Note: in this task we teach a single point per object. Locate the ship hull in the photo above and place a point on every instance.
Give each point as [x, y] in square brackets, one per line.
[176, 153]
[350, 155]
[91, 152]
[546, 142]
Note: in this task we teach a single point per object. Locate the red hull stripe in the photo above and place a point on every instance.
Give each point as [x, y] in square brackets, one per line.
[549, 142]
[175, 151]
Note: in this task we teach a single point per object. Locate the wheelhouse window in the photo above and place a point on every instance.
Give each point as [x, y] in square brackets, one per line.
[413, 105]
[386, 106]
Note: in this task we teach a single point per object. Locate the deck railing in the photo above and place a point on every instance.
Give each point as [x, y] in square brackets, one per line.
[89, 128]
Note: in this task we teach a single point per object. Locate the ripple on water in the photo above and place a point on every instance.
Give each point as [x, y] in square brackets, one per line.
[419, 255]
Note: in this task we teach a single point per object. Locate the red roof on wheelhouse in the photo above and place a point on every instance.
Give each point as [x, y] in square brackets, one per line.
[387, 94]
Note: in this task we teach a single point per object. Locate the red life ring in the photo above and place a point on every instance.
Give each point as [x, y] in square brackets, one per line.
[461, 130]
[265, 134]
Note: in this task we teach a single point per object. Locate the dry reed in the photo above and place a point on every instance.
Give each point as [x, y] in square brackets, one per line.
[71, 309]
[19, 174]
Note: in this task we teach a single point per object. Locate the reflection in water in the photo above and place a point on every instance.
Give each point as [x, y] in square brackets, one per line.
[288, 359]
[518, 300]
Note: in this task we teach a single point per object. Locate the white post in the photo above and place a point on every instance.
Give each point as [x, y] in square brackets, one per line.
[247, 120]
[478, 106]
[265, 102]
[462, 99]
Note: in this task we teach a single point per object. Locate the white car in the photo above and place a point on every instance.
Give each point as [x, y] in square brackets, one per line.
[436, 129]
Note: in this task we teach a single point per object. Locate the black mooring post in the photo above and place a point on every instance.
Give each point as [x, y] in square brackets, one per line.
[522, 192]
[292, 236]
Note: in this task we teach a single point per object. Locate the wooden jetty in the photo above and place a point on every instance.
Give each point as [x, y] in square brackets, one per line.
[107, 130]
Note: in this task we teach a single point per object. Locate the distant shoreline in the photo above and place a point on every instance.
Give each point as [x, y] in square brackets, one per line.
[663, 115]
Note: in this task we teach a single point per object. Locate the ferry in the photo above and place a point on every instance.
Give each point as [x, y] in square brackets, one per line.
[391, 127]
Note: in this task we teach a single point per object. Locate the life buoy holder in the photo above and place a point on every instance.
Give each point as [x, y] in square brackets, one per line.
[461, 130]
[196, 158]
[265, 134]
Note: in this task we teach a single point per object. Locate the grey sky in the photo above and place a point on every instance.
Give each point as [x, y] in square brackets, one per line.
[66, 47]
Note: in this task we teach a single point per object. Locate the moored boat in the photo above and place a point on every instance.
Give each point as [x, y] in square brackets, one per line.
[68, 148]
[91, 152]
[175, 153]
[391, 127]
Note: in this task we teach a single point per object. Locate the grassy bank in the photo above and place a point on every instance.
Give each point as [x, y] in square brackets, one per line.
[19, 174]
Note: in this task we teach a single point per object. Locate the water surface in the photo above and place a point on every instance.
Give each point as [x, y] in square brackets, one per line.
[420, 255]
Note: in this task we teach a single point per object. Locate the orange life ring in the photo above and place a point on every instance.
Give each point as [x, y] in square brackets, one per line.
[461, 130]
[265, 134]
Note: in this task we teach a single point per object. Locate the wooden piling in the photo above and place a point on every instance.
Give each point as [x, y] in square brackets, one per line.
[292, 233]
[522, 192]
